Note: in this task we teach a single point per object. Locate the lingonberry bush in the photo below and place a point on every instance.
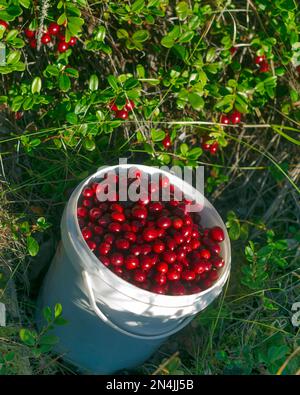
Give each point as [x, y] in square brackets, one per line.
[212, 83]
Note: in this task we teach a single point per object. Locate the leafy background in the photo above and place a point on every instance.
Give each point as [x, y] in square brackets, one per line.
[175, 60]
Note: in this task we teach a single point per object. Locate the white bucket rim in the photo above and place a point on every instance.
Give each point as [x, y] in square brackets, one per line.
[145, 296]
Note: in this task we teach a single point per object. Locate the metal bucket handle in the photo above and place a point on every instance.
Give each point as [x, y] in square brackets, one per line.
[105, 319]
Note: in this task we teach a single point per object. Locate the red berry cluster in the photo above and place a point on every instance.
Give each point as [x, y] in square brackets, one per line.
[210, 147]
[123, 113]
[156, 245]
[263, 64]
[54, 30]
[234, 118]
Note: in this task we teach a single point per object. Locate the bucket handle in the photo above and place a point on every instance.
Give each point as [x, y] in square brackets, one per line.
[105, 319]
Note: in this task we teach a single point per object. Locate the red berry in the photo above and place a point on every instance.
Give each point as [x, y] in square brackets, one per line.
[88, 192]
[129, 106]
[53, 29]
[178, 289]
[177, 266]
[205, 254]
[149, 234]
[122, 244]
[260, 59]
[217, 234]
[155, 207]
[162, 267]
[160, 278]
[171, 244]
[117, 207]
[115, 227]
[204, 144]
[117, 259]
[158, 289]
[32, 43]
[18, 115]
[199, 267]
[217, 262]
[213, 275]
[98, 230]
[164, 222]
[86, 233]
[113, 106]
[4, 24]
[139, 212]
[195, 289]
[95, 213]
[104, 248]
[146, 249]
[46, 38]
[62, 46]
[169, 256]
[82, 212]
[177, 223]
[122, 114]
[29, 33]
[225, 120]
[139, 276]
[235, 117]
[213, 149]
[136, 250]
[130, 236]
[72, 41]
[173, 275]
[146, 262]
[92, 245]
[178, 238]
[131, 262]
[188, 275]
[215, 248]
[264, 67]
[167, 142]
[118, 217]
[158, 247]
[233, 51]
[104, 259]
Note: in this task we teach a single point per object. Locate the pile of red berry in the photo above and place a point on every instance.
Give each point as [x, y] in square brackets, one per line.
[53, 31]
[156, 245]
[210, 147]
[263, 64]
[122, 113]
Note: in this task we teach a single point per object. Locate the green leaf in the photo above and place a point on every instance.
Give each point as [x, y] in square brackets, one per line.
[28, 337]
[167, 42]
[196, 100]
[182, 10]
[194, 153]
[184, 149]
[17, 103]
[130, 84]
[13, 57]
[101, 33]
[140, 36]
[32, 246]
[57, 310]
[47, 313]
[234, 230]
[157, 135]
[138, 5]
[93, 82]
[49, 340]
[72, 118]
[11, 35]
[25, 3]
[113, 82]
[62, 19]
[36, 85]
[186, 37]
[122, 34]
[64, 83]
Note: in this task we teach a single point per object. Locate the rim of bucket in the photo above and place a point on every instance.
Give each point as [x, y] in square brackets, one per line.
[144, 296]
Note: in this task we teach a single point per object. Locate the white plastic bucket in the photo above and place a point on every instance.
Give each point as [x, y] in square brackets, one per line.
[126, 309]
